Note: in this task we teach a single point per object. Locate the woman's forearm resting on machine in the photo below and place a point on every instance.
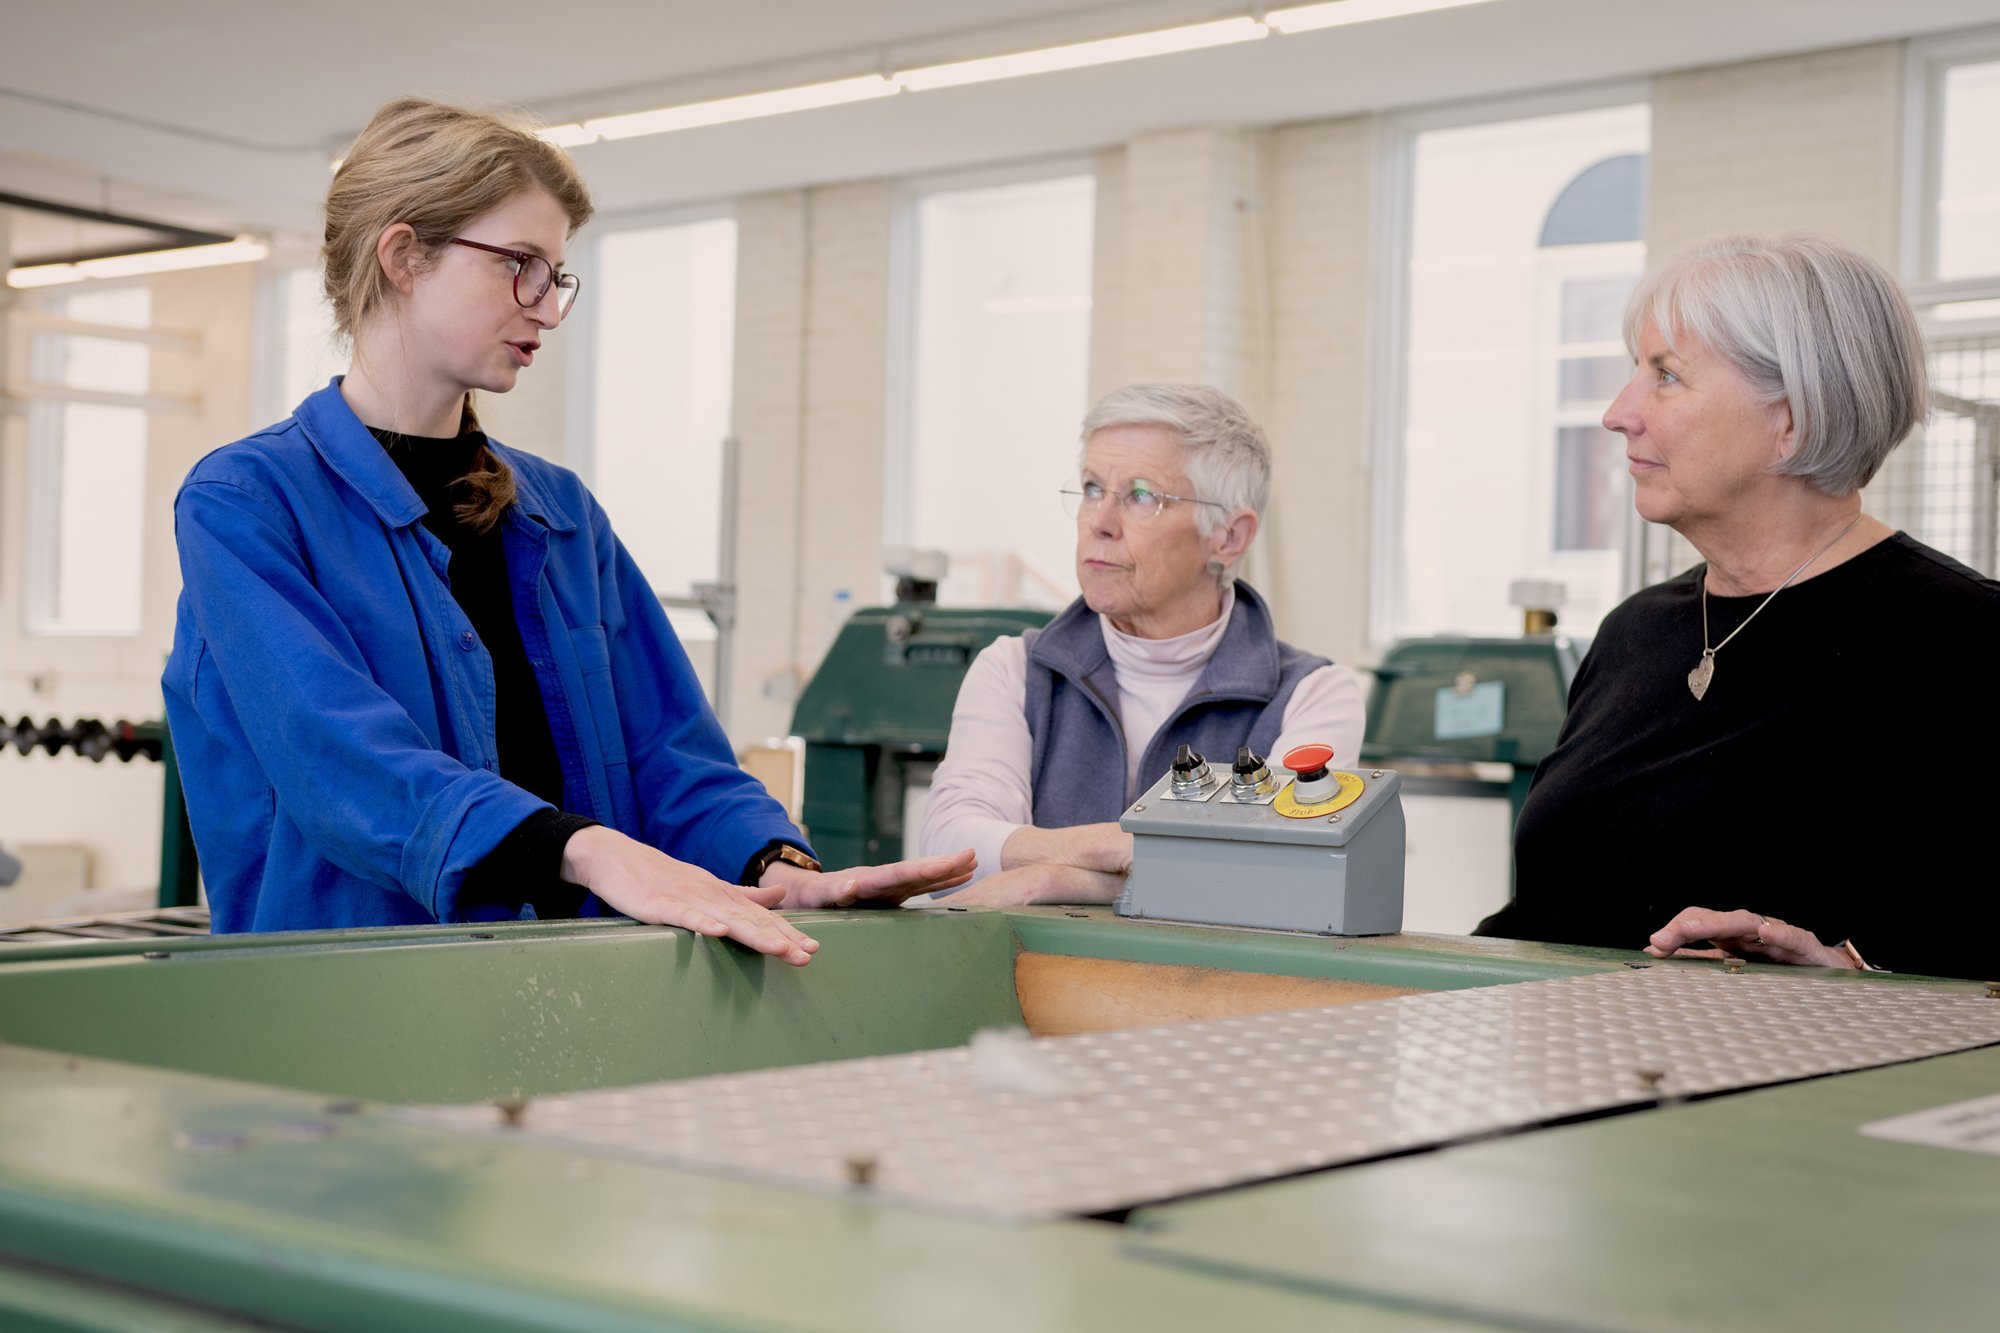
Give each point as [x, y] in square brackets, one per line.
[1099, 847]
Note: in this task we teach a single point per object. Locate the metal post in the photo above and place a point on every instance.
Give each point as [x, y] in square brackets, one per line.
[180, 867]
[1985, 479]
[725, 575]
[717, 600]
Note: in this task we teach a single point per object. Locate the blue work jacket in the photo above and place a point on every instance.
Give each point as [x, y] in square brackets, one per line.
[333, 709]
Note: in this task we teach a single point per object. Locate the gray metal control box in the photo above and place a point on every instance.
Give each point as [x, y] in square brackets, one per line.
[1219, 861]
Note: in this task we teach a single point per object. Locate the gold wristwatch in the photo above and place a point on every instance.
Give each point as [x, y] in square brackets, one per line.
[777, 851]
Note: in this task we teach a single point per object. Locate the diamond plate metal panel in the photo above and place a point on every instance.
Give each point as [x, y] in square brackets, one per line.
[1086, 1124]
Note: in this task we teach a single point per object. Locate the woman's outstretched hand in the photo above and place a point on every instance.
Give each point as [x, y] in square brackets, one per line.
[1738, 933]
[648, 885]
[866, 886]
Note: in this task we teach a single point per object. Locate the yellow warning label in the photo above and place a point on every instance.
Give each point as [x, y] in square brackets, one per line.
[1288, 805]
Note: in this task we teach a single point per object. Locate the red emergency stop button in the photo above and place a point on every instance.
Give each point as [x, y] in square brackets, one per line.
[1309, 760]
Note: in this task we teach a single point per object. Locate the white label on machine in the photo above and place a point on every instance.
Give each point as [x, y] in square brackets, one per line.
[1972, 1126]
[1476, 713]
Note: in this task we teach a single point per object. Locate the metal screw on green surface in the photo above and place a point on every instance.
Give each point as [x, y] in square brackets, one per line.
[156, 953]
[861, 1170]
[512, 1110]
[303, 1131]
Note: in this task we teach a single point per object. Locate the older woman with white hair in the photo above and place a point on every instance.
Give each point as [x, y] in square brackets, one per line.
[1057, 731]
[1802, 728]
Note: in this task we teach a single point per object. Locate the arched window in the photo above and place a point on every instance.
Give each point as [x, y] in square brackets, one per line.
[1605, 203]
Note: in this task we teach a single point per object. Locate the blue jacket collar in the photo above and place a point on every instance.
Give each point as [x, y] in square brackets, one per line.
[359, 459]
[1245, 665]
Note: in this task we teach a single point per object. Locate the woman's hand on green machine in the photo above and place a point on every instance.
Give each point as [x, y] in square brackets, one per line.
[866, 886]
[1745, 933]
[648, 885]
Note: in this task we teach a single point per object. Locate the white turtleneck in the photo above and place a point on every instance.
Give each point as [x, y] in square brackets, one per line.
[981, 792]
[1154, 675]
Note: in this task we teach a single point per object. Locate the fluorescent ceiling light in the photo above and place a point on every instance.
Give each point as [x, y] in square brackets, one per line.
[1079, 55]
[1306, 18]
[1192, 38]
[242, 250]
[808, 98]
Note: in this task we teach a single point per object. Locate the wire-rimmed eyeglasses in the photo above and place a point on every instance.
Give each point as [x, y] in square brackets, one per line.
[533, 276]
[1139, 501]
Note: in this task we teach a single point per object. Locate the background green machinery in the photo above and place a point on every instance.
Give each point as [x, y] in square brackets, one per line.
[878, 713]
[1402, 710]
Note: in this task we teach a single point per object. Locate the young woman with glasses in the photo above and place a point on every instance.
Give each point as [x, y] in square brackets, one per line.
[416, 677]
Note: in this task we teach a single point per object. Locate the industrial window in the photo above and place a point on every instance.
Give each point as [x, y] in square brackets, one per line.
[87, 471]
[664, 302]
[1525, 238]
[999, 367]
[1940, 484]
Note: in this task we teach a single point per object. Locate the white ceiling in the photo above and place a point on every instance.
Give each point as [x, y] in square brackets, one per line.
[222, 113]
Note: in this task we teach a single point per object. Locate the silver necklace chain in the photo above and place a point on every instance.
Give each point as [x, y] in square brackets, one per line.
[1704, 670]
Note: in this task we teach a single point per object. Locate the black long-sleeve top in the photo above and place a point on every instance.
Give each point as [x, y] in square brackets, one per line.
[1838, 774]
[527, 865]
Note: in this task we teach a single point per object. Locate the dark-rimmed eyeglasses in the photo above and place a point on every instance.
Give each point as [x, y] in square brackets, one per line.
[1139, 501]
[533, 276]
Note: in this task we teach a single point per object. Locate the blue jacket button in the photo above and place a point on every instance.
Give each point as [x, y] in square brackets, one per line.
[468, 641]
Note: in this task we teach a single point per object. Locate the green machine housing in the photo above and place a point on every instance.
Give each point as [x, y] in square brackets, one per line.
[877, 714]
[1536, 671]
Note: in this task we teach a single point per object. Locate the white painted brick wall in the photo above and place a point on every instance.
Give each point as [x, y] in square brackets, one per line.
[1809, 141]
[771, 277]
[846, 376]
[1315, 541]
[811, 370]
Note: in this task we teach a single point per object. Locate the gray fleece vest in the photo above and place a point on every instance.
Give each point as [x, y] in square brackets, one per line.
[1078, 767]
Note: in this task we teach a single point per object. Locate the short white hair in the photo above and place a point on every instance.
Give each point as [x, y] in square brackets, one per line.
[1808, 320]
[1223, 449]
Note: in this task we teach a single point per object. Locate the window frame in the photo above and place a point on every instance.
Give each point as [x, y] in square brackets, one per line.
[1392, 218]
[1928, 60]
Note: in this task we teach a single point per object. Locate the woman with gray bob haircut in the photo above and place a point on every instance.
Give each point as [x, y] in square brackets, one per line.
[1057, 731]
[1752, 732]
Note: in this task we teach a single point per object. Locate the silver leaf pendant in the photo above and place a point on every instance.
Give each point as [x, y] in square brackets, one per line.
[1704, 672]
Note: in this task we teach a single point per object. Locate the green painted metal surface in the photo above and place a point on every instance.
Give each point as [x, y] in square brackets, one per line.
[1427, 962]
[45, 1300]
[1763, 1211]
[388, 1227]
[430, 1017]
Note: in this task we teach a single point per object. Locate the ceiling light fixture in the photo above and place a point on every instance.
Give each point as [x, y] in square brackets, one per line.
[242, 250]
[1195, 37]
[1307, 18]
[1078, 55]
